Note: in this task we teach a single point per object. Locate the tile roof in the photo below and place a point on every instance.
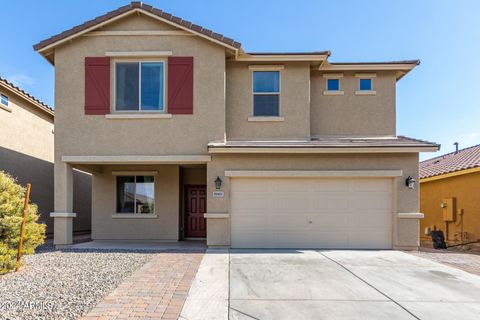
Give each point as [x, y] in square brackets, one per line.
[305, 53]
[331, 142]
[22, 92]
[464, 159]
[135, 6]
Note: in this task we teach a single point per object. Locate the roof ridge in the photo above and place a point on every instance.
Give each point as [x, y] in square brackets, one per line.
[16, 88]
[134, 5]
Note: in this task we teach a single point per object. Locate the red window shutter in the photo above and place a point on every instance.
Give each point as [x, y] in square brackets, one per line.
[180, 85]
[97, 85]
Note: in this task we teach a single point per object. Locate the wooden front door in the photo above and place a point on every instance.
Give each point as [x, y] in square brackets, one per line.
[195, 207]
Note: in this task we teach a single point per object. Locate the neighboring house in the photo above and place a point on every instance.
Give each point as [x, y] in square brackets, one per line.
[189, 136]
[27, 150]
[449, 195]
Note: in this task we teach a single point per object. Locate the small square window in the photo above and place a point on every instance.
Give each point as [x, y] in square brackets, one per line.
[333, 84]
[4, 100]
[365, 84]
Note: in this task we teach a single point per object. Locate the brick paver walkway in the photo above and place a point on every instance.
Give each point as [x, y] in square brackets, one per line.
[155, 291]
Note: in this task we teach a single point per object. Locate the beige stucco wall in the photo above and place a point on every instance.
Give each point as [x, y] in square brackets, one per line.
[294, 103]
[26, 150]
[406, 199]
[164, 227]
[96, 135]
[351, 114]
[27, 153]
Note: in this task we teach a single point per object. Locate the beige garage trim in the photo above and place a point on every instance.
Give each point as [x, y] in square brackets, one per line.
[313, 174]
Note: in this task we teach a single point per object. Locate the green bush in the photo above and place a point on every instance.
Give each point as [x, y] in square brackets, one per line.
[12, 198]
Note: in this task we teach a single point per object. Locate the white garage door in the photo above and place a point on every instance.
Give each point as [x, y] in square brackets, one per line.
[311, 213]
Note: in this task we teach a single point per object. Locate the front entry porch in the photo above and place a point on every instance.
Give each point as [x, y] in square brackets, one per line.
[151, 200]
[186, 245]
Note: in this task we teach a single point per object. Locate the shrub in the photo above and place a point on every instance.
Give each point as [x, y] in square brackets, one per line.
[12, 198]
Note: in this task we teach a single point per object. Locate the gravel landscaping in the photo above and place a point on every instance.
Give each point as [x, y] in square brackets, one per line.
[466, 261]
[65, 284]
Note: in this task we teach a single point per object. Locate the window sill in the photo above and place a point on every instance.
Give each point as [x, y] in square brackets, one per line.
[6, 108]
[265, 119]
[126, 116]
[365, 92]
[134, 216]
[333, 93]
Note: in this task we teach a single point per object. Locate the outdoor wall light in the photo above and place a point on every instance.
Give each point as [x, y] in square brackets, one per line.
[410, 182]
[218, 183]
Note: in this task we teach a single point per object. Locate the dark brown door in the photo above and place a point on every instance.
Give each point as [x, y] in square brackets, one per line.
[195, 207]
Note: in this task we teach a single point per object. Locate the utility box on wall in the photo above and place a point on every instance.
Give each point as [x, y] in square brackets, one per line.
[448, 206]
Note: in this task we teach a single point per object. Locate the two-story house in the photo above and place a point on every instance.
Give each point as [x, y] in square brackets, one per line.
[26, 153]
[188, 136]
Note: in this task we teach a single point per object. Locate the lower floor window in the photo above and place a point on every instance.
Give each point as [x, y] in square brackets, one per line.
[135, 194]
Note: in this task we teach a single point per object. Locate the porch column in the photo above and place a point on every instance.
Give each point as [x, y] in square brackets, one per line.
[63, 215]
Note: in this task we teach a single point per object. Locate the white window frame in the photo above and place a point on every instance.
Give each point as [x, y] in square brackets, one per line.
[369, 76]
[139, 61]
[336, 76]
[4, 97]
[266, 68]
[135, 175]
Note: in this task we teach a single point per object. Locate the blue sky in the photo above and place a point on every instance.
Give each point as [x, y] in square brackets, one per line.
[438, 101]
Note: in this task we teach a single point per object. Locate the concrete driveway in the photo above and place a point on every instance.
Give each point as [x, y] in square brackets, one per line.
[309, 284]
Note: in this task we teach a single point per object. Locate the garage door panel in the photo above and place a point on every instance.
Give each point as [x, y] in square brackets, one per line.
[287, 202]
[330, 200]
[311, 213]
[329, 220]
[292, 185]
[329, 184]
[370, 239]
[249, 185]
[366, 185]
[370, 220]
[371, 200]
[246, 222]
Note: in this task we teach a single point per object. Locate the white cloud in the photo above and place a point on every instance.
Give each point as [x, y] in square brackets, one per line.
[21, 80]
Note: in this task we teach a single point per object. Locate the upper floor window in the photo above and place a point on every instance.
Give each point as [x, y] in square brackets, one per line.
[266, 93]
[140, 86]
[332, 84]
[365, 83]
[4, 100]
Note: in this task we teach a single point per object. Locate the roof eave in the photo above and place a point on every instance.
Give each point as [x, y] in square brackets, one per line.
[402, 68]
[312, 149]
[28, 98]
[46, 50]
[450, 174]
[280, 57]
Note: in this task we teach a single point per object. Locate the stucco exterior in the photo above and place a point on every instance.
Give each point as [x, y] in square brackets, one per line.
[102, 136]
[294, 104]
[350, 114]
[222, 105]
[467, 217]
[406, 200]
[27, 153]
